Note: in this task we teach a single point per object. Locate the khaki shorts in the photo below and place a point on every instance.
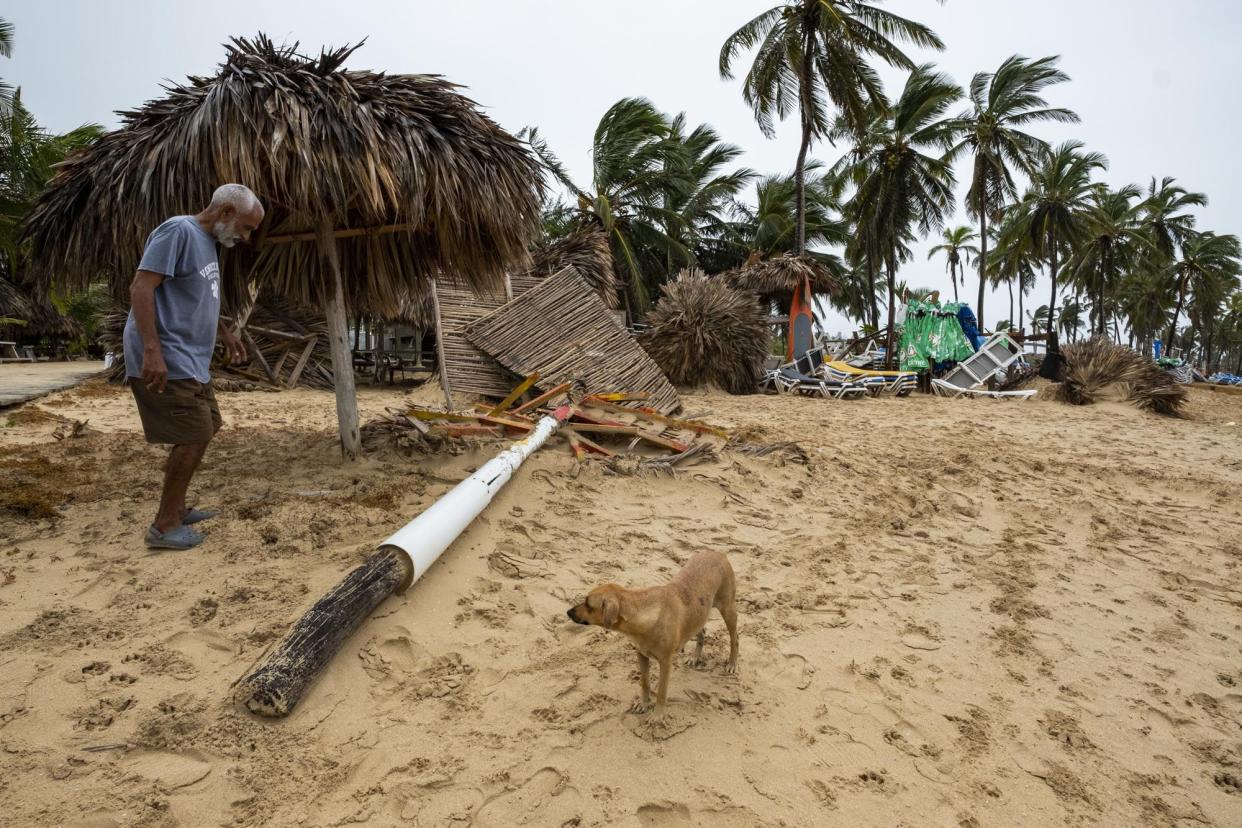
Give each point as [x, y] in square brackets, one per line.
[186, 411]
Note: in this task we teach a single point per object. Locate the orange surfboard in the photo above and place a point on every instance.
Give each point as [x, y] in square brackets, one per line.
[801, 322]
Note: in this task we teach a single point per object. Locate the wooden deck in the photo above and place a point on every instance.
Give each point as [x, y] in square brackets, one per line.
[22, 381]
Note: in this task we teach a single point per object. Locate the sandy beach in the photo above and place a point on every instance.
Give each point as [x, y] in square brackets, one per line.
[959, 613]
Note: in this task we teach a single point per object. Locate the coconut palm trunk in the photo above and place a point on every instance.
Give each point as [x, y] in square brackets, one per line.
[1052, 270]
[1010, 283]
[892, 308]
[1177, 311]
[875, 306]
[953, 278]
[804, 147]
[983, 264]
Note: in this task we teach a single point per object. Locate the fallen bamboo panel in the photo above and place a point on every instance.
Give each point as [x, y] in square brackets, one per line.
[561, 329]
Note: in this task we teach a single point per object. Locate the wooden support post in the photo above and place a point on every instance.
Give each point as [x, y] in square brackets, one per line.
[275, 686]
[550, 394]
[338, 343]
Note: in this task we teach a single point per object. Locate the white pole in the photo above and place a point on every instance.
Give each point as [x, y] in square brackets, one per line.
[425, 537]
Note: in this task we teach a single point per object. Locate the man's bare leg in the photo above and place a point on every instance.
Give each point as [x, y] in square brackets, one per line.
[182, 462]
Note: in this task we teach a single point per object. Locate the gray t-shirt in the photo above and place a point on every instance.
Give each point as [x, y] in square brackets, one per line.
[187, 302]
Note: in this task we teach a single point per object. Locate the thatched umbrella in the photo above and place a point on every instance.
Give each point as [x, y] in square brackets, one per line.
[14, 303]
[34, 317]
[373, 184]
[775, 279]
[1093, 366]
[702, 330]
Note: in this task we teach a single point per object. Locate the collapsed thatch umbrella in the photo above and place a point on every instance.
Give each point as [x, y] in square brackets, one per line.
[775, 279]
[702, 330]
[373, 184]
[1095, 365]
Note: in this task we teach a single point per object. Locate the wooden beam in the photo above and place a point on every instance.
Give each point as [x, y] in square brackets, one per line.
[506, 422]
[587, 443]
[296, 374]
[254, 350]
[652, 414]
[344, 233]
[600, 428]
[575, 445]
[338, 343]
[280, 363]
[663, 442]
[522, 388]
[550, 394]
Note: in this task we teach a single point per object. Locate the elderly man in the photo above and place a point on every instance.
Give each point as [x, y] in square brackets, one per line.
[171, 332]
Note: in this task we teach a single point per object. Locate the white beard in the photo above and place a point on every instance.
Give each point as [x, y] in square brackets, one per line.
[226, 234]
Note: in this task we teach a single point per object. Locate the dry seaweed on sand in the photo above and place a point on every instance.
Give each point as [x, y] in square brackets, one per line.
[1097, 364]
[785, 452]
[703, 330]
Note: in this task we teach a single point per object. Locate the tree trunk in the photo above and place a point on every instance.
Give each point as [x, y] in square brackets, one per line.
[276, 685]
[338, 343]
[1177, 310]
[953, 279]
[357, 332]
[800, 170]
[875, 305]
[983, 264]
[892, 309]
[1052, 270]
[1021, 310]
[1207, 346]
[1010, 283]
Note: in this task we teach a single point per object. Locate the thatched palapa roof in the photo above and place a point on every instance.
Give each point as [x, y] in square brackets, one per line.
[586, 251]
[704, 331]
[413, 178]
[779, 276]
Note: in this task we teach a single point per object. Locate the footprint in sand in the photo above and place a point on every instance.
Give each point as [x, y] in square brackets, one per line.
[920, 637]
[171, 770]
[546, 798]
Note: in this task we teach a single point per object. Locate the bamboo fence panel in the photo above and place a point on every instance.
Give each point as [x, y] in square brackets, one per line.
[561, 329]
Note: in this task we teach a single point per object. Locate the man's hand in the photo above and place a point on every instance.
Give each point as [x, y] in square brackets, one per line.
[154, 371]
[233, 348]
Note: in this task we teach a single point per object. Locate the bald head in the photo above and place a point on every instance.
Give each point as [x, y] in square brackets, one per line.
[234, 213]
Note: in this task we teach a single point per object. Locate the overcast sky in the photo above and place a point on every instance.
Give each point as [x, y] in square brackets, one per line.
[1157, 84]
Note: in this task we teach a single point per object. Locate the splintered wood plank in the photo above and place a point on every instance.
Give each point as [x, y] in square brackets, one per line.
[575, 445]
[651, 414]
[587, 443]
[522, 388]
[550, 394]
[601, 428]
[301, 363]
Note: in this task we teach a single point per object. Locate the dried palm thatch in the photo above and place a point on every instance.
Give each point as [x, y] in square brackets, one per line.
[412, 177]
[1097, 364]
[778, 277]
[14, 303]
[35, 317]
[586, 251]
[702, 330]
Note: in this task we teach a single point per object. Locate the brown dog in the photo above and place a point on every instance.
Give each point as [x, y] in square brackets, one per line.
[660, 620]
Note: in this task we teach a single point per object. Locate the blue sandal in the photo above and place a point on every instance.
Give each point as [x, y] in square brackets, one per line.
[179, 537]
[194, 515]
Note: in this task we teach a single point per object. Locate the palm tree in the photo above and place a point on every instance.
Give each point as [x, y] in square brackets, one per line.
[1002, 104]
[905, 180]
[629, 189]
[1039, 319]
[6, 50]
[958, 251]
[769, 226]
[811, 53]
[1207, 260]
[1112, 240]
[1050, 212]
[1163, 217]
[1070, 320]
[1012, 261]
[701, 191]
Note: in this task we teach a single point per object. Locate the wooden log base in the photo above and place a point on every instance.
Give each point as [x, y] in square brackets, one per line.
[274, 688]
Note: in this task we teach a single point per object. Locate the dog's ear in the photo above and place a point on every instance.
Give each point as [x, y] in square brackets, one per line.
[612, 610]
